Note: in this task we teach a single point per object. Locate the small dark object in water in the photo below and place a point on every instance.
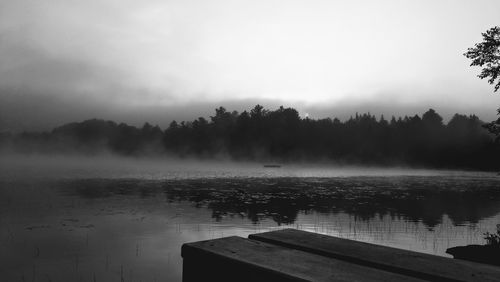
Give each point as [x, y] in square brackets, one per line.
[272, 165]
[478, 253]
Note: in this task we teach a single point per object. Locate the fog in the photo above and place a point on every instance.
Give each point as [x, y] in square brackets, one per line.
[129, 128]
[16, 166]
[164, 60]
[68, 218]
[25, 111]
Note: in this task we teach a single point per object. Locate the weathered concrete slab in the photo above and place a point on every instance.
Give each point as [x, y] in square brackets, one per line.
[409, 263]
[239, 259]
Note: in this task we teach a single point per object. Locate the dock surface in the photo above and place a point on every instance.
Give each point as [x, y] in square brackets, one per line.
[294, 255]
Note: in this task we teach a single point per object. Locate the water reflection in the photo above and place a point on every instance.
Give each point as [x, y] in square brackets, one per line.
[416, 199]
[101, 229]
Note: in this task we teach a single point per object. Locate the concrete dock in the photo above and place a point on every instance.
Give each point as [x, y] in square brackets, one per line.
[293, 255]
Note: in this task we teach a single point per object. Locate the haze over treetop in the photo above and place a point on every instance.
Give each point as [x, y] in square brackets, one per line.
[267, 135]
[76, 60]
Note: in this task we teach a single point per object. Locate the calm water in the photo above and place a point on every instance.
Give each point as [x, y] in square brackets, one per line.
[107, 219]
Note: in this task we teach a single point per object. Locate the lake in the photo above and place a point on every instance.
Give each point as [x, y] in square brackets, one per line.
[119, 219]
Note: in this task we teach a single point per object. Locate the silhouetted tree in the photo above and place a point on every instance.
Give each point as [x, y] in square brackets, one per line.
[283, 135]
[487, 55]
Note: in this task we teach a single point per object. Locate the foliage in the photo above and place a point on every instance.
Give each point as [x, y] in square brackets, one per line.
[487, 55]
[493, 239]
[282, 135]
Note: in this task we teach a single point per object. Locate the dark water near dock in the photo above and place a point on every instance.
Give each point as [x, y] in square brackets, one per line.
[124, 220]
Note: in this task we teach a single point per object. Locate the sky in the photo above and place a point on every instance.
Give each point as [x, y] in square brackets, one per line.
[137, 61]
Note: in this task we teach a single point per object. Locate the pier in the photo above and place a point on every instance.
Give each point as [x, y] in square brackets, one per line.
[294, 255]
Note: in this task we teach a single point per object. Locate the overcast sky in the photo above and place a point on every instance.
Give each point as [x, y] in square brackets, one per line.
[154, 61]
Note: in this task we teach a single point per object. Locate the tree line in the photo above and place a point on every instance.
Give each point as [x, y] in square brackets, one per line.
[281, 135]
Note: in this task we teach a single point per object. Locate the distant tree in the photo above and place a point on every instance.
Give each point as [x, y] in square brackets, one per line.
[282, 135]
[383, 121]
[431, 118]
[258, 112]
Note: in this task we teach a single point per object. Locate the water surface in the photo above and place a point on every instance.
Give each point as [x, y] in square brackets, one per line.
[107, 219]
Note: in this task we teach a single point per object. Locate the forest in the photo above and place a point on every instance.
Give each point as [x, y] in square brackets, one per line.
[282, 135]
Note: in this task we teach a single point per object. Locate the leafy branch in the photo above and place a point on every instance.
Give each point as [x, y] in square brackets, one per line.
[487, 55]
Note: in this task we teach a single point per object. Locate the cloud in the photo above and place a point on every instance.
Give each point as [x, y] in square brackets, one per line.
[64, 60]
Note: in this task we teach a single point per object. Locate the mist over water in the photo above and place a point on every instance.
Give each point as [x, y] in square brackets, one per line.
[282, 135]
[159, 168]
[76, 218]
[128, 128]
